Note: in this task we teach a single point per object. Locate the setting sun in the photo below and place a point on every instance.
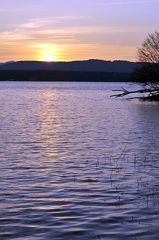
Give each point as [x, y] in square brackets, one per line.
[46, 52]
[49, 58]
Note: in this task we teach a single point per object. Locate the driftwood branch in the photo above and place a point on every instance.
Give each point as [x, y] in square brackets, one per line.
[126, 92]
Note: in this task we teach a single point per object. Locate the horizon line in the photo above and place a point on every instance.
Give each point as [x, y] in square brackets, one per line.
[85, 60]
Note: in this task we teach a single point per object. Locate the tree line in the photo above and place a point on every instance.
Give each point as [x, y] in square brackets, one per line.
[44, 75]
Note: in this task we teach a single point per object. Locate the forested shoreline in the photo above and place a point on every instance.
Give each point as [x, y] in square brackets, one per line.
[45, 75]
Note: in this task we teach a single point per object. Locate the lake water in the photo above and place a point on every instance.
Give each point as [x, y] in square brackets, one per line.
[77, 164]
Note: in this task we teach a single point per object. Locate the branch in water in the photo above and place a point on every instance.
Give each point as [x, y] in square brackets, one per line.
[126, 92]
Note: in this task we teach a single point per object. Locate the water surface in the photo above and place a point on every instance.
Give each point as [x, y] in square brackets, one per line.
[77, 164]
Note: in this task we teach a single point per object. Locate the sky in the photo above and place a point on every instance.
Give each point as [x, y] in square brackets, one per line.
[68, 30]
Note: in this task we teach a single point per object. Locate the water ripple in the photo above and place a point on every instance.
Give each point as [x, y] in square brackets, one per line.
[76, 164]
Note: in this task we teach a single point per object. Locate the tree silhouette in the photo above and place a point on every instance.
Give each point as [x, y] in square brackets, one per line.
[147, 72]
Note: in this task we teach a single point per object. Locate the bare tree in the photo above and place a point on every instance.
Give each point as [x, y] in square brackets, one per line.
[149, 52]
[147, 72]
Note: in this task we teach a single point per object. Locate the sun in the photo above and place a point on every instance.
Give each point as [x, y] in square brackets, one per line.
[47, 52]
[49, 58]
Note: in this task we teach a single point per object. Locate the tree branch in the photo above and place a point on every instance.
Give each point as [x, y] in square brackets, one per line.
[126, 92]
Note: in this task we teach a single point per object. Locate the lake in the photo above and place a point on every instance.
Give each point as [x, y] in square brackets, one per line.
[77, 164]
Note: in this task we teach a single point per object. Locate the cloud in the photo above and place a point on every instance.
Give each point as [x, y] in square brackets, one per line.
[129, 2]
[9, 10]
[34, 23]
[33, 35]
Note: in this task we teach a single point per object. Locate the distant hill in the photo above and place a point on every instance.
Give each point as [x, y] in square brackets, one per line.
[80, 66]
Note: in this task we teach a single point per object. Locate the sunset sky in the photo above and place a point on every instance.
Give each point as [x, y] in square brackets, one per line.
[66, 30]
